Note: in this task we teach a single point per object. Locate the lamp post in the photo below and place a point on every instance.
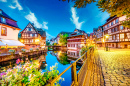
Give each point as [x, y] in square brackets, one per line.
[106, 37]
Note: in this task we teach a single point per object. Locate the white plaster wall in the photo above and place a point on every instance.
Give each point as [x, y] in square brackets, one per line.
[11, 34]
[122, 18]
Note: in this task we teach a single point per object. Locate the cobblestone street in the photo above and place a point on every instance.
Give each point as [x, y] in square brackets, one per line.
[115, 66]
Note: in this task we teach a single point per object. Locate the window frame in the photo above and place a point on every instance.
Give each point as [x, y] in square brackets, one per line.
[116, 21]
[5, 32]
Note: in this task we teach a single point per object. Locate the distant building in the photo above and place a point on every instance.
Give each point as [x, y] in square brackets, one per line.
[56, 40]
[53, 40]
[76, 40]
[8, 31]
[62, 33]
[99, 36]
[33, 37]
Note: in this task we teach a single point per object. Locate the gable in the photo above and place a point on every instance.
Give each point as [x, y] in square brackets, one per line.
[29, 29]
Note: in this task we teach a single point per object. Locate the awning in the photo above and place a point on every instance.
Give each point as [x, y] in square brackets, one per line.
[12, 42]
[2, 44]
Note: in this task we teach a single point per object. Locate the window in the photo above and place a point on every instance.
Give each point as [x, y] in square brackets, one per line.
[112, 30]
[113, 37]
[128, 35]
[35, 35]
[30, 35]
[116, 21]
[3, 20]
[115, 29]
[111, 23]
[108, 25]
[121, 27]
[105, 26]
[121, 36]
[3, 31]
[30, 29]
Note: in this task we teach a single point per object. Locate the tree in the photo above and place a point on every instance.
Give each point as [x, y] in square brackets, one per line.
[48, 43]
[63, 39]
[54, 44]
[19, 36]
[113, 7]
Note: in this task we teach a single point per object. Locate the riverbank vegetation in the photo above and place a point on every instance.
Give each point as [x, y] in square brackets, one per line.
[84, 49]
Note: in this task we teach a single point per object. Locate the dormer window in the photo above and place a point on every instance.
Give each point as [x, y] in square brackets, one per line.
[3, 20]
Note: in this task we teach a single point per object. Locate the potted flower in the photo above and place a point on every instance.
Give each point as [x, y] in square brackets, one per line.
[37, 49]
[31, 49]
[23, 50]
[12, 51]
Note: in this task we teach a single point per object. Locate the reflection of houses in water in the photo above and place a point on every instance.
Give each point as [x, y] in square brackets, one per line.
[42, 61]
[73, 53]
[53, 53]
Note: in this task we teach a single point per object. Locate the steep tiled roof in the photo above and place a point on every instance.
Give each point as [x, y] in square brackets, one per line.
[80, 31]
[3, 14]
[9, 20]
[41, 32]
[78, 34]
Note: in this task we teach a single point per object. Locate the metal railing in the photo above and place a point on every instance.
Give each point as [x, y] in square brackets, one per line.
[77, 79]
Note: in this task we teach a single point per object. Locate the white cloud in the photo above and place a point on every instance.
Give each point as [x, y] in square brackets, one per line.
[75, 19]
[45, 25]
[32, 18]
[16, 6]
[3, 0]
[11, 6]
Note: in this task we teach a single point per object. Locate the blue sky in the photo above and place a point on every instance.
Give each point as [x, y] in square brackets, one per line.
[54, 16]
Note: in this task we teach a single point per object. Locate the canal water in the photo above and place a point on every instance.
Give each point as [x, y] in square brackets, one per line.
[63, 58]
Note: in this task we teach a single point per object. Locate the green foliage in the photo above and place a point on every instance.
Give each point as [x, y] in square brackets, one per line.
[63, 39]
[19, 36]
[113, 7]
[55, 44]
[63, 58]
[84, 49]
[48, 43]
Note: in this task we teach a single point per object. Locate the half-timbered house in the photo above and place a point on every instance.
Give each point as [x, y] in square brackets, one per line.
[119, 36]
[33, 37]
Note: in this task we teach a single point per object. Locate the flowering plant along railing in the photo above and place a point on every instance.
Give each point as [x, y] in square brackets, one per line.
[78, 79]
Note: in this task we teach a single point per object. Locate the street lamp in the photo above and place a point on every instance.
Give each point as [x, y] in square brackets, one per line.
[106, 37]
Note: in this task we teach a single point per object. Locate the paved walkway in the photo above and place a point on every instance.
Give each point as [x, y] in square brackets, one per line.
[109, 68]
[115, 66]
